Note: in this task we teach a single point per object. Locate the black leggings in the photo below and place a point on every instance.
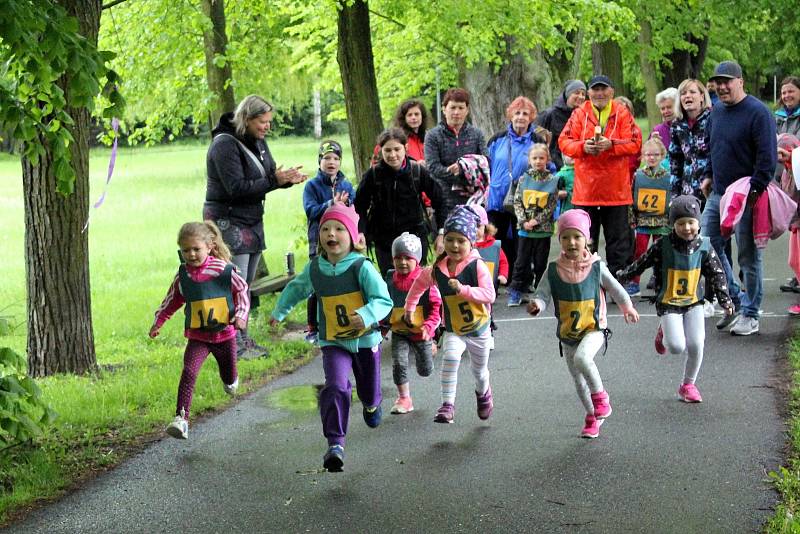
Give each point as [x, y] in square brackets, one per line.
[532, 254]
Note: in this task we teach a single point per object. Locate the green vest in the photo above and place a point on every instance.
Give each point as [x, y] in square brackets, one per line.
[338, 297]
[462, 316]
[396, 322]
[651, 196]
[491, 255]
[577, 305]
[209, 304]
[680, 273]
[536, 193]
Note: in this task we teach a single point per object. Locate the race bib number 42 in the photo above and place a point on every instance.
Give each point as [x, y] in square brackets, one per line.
[652, 201]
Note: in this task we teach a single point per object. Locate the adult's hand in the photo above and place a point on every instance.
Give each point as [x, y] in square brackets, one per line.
[783, 155]
[752, 197]
[292, 175]
[705, 187]
[454, 169]
[603, 144]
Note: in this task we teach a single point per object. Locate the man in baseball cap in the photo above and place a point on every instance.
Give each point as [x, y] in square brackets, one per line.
[600, 79]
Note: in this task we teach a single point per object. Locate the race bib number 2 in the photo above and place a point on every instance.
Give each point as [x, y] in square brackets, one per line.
[575, 317]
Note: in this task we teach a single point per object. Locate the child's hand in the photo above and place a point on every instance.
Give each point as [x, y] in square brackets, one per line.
[533, 308]
[273, 322]
[455, 285]
[527, 226]
[631, 316]
[502, 279]
[240, 324]
[730, 310]
[408, 317]
[341, 197]
[154, 331]
[562, 194]
[426, 336]
[356, 321]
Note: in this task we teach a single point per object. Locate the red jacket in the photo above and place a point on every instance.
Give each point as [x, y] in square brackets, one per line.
[603, 179]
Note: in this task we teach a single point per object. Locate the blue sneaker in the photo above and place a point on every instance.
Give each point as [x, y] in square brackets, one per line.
[312, 337]
[633, 289]
[514, 298]
[372, 416]
[334, 459]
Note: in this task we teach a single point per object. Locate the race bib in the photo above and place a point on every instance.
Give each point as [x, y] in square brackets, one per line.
[337, 310]
[575, 318]
[465, 316]
[533, 198]
[681, 287]
[652, 201]
[209, 314]
[399, 325]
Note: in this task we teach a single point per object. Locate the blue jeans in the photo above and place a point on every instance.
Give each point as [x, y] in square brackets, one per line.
[751, 264]
[709, 227]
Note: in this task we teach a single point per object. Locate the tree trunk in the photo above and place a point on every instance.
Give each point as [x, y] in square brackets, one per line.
[215, 44]
[357, 68]
[648, 73]
[60, 336]
[686, 64]
[493, 90]
[607, 59]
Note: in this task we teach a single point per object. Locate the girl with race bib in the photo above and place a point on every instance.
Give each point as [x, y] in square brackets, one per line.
[577, 282]
[651, 194]
[351, 300]
[217, 303]
[467, 290]
[678, 260]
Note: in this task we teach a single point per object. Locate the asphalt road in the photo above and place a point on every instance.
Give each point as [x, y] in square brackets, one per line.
[659, 465]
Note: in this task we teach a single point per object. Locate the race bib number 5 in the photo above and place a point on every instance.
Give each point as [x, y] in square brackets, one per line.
[465, 316]
[575, 318]
[337, 312]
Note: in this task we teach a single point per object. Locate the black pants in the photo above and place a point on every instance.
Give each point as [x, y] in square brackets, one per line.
[506, 224]
[614, 221]
[531, 252]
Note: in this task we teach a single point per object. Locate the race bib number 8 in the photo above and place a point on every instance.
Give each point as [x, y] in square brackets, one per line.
[337, 312]
[465, 316]
[531, 197]
[681, 288]
[399, 325]
[653, 201]
[575, 318]
[209, 314]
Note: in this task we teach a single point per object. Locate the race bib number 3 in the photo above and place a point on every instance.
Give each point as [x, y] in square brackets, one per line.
[653, 201]
[681, 288]
[531, 197]
[337, 312]
[209, 314]
[465, 316]
[399, 325]
[575, 317]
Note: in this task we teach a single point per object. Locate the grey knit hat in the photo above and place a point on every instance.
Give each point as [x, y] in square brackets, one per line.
[573, 85]
[684, 206]
[407, 245]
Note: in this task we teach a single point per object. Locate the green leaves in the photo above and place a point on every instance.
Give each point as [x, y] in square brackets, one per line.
[23, 413]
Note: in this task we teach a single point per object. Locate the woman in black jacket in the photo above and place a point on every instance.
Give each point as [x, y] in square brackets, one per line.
[388, 199]
[240, 172]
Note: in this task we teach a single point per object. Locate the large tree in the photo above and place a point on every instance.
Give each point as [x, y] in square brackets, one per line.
[51, 76]
[218, 68]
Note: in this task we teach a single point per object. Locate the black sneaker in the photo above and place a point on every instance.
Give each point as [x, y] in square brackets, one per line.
[791, 286]
[728, 320]
[333, 460]
[372, 416]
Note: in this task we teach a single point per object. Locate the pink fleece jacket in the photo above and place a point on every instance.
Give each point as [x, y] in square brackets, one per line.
[404, 283]
[482, 294]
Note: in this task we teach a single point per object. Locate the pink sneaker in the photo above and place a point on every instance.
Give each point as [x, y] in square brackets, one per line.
[660, 348]
[602, 405]
[592, 427]
[485, 404]
[689, 393]
[403, 405]
[794, 310]
[445, 413]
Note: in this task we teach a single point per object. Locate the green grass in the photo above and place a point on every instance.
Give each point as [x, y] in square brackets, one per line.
[132, 261]
[787, 479]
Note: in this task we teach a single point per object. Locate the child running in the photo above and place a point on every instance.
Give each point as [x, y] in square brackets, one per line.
[413, 337]
[320, 193]
[651, 192]
[678, 260]
[535, 202]
[351, 299]
[467, 290]
[214, 296]
[577, 282]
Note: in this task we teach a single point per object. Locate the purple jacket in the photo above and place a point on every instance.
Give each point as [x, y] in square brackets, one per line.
[662, 130]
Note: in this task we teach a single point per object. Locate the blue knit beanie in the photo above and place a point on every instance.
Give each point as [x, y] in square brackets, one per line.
[463, 221]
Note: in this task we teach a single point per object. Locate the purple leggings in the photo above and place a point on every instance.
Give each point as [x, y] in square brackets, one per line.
[196, 353]
[334, 399]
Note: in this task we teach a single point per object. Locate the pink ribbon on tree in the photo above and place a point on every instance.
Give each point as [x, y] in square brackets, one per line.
[111, 162]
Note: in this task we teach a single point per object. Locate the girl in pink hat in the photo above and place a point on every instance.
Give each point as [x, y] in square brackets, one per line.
[577, 282]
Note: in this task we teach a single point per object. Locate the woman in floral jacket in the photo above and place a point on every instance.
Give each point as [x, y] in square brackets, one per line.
[689, 147]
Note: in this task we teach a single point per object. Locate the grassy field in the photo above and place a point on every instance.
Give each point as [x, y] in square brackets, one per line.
[132, 261]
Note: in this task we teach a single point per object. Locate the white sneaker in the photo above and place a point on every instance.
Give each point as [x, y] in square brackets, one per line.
[230, 389]
[491, 342]
[745, 327]
[179, 428]
[708, 309]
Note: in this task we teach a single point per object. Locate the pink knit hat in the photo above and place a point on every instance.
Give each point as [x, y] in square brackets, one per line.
[480, 212]
[575, 219]
[344, 214]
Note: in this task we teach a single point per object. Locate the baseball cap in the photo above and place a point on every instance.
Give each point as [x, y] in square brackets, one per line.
[600, 79]
[727, 69]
